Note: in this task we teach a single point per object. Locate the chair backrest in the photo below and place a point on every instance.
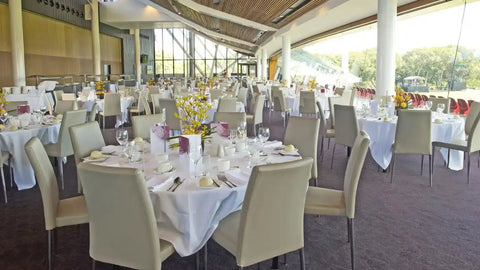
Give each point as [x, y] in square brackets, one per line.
[141, 124]
[112, 104]
[279, 103]
[46, 179]
[215, 94]
[436, 101]
[323, 122]
[473, 141]
[331, 104]
[63, 106]
[123, 230]
[339, 90]
[93, 113]
[70, 118]
[471, 116]
[156, 107]
[68, 96]
[227, 105]
[242, 95]
[353, 171]
[170, 108]
[85, 139]
[232, 118]
[57, 94]
[307, 102]
[302, 132]
[346, 128]
[146, 106]
[272, 216]
[48, 103]
[413, 134]
[258, 110]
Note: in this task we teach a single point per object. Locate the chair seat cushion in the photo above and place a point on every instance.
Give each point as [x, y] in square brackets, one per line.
[226, 233]
[166, 249]
[72, 211]
[455, 145]
[53, 150]
[330, 133]
[249, 118]
[323, 201]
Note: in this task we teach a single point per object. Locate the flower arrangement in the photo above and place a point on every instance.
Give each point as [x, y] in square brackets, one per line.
[151, 82]
[312, 84]
[401, 99]
[211, 82]
[3, 102]
[99, 87]
[284, 82]
[192, 111]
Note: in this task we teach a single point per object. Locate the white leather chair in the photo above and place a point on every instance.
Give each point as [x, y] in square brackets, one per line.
[302, 132]
[85, 139]
[63, 147]
[471, 116]
[111, 106]
[63, 106]
[57, 213]
[256, 117]
[68, 96]
[280, 105]
[331, 202]
[468, 146]
[346, 128]
[123, 229]
[93, 113]
[215, 94]
[242, 96]
[155, 103]
[49, 104]
[325, 132]
[170, 108]
[142, 105]
[413, 135]
[232, 118]
[227, 105]
[141, 124]
[271, 220]
[307, 103]
[5, 157]
[57, 95]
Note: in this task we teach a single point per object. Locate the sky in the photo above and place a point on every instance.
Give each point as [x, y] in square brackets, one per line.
[439, 28]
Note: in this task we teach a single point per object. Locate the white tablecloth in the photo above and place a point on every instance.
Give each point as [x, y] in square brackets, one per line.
[34, 100]
[188, 217]
[239, 108]
[14, 142]
[125, 103]
[382, 135]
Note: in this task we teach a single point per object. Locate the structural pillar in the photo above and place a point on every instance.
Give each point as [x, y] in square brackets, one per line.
[138, 65]
[386, 37]
[258, 56]
[264, 64]
[286, 59]
[16, 39]
[97, 65]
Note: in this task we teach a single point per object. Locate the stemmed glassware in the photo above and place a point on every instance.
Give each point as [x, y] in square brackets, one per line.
[43, 109]
[428, 104]
[232, 135]
[3, 118]
[195, 155]
[122, 137]
[242, 129]
[264, 134]
[440, 107]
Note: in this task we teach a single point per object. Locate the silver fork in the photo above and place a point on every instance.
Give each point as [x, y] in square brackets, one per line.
[224, 179]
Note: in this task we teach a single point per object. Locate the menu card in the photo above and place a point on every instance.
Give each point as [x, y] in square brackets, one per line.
[187, 142]
[220, 128]
[159, 135]
[23, 109]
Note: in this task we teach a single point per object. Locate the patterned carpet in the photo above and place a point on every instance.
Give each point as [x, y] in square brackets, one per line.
[405, 225]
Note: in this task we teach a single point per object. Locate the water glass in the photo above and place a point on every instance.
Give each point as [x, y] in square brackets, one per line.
[122, 136]
[206, 164]
[440, 107]
[264, 134]
[3, 118]
[232, 135]
[428, 104]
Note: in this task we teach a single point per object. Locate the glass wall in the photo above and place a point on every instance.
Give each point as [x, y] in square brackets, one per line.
[181, 53]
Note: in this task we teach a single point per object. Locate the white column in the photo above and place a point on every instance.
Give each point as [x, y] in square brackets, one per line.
[97, 65]
[258, 56]
[16, 40]
[264, 64]
[286, 58]
[386, 37]
[138, 65]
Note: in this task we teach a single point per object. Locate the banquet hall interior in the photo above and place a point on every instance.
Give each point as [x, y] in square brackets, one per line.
[253, 134]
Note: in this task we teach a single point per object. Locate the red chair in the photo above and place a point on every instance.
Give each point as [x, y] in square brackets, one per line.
[433, 96]
[412, 98]
[424, 97]
[464, 107]
[454, 106]
[470, 102]
[418, 97]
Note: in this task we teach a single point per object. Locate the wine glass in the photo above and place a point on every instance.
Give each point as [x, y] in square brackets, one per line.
[43, 109]
[3, 118]
[241, 129]
[440, 107]
[428, 104]
[122, 136]
[232, 134]
[264, 134]
[195, 155]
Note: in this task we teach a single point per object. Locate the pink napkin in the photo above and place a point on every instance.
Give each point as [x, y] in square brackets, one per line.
[184, 144]
[220, 128]
[23, 109]
[161, 131]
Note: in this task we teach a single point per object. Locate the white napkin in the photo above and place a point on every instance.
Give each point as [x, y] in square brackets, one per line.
[238, 176]
[272, 144]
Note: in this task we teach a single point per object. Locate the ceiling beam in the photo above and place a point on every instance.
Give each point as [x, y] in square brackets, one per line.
[196, 26]
[224, 15]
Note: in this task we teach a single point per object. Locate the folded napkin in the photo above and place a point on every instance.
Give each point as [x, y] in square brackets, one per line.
[110, 149]
[272, 144]
[238, 176]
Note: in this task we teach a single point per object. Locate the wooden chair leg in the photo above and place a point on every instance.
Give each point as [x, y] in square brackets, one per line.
[49, 236]
[352, 245]
[302, 259]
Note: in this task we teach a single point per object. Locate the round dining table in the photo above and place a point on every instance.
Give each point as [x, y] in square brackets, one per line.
[14, 142]
[445, 128]
[188, 216]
